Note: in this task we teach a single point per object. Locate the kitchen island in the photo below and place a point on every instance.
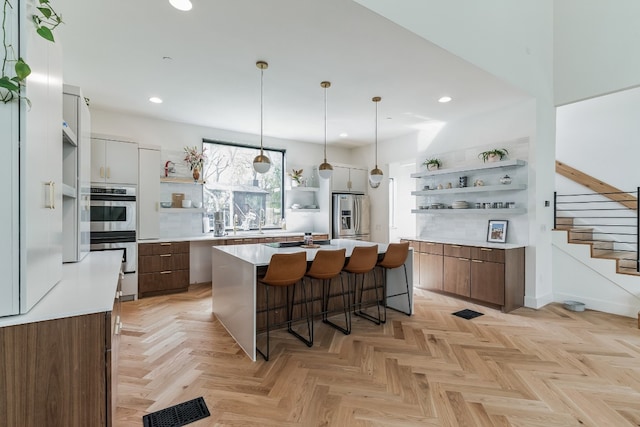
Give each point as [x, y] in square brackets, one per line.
[237, 300]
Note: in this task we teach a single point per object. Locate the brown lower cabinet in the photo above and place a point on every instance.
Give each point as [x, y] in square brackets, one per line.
[61, 372]
[162, 268]
[487, 275]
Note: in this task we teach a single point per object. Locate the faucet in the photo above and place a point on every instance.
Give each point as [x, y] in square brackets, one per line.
[235, 223]
[260, 220]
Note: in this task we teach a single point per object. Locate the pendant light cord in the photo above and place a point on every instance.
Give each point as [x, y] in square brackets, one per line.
[261, 107]
[325, 124]
[376, 134]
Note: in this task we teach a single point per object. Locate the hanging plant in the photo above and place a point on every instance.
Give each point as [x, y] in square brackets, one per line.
[46, 20]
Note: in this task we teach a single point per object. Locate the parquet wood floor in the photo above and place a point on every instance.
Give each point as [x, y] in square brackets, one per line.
[549, 367]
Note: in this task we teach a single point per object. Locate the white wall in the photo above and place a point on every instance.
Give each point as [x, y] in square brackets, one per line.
[172, 137]
[600, 137]
[595, 48]
[514, 41]
[458, 144]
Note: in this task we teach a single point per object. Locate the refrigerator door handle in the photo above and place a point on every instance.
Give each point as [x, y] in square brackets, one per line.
[356, 215]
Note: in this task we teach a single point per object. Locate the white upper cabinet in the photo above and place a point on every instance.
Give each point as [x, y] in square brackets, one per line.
[347, 179]
[114, 162]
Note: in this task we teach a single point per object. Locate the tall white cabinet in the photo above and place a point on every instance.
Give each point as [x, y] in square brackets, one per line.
[148, 192]
[75, 174]
[31, 145]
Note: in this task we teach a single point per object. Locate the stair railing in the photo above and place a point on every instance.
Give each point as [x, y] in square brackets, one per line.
[612, 216]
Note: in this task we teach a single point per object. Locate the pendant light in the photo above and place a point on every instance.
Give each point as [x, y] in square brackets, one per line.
[325, 170]
[376, 174]
[261, 163]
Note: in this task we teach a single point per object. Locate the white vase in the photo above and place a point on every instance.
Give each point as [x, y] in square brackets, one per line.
[432, 167]
[493, 158]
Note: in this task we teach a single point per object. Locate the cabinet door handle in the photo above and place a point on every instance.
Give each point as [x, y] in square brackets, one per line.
[50, 204]
[101, 171]
[477, 260]
[165, 244]
[456, 246]
[165, 254]
[430, 244]
[166, 272]
[463, 259]
[486, 249]
[108, 172]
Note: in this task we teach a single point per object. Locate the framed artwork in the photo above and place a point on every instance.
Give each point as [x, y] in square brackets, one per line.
[497, 231]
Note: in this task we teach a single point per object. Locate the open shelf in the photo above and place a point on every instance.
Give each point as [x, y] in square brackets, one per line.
[479, 189]
[69, 136]
[484, 166]
[181, 180]
[181, 210]
[303, 189]
[513, 211]
[303, 210]
[68, 191]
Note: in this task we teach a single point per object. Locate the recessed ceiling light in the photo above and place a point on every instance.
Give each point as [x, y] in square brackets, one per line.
[181, 4]
[344, 135]
[444, 99]
[155, 100]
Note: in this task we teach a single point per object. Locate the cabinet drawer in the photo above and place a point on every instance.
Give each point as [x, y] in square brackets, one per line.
[163, 248]
[457, 251]
[163, 262]
[163, 281]
[488, 254]
[431, 248]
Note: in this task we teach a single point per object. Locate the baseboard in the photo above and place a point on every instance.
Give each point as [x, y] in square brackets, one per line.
[533, 302]
[600, 305]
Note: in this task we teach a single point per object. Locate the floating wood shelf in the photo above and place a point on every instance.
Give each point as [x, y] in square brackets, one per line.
[181, 180]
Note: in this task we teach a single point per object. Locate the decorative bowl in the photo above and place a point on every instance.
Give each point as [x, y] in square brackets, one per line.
[197, 205]
[165, 204]
[186, 203]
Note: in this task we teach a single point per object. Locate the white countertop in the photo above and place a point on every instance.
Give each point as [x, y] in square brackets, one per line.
[479, 244]
[239, 235]
[86, 287]
[260, 254]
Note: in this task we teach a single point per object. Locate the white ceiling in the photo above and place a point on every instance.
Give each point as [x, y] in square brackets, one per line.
[114, 51]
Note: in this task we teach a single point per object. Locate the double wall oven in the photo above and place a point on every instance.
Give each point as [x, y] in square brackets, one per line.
[113, 222]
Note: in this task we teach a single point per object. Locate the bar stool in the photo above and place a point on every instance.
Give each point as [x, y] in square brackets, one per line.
[363, 260]
[395, 257]
[286, 270]
[325, 266]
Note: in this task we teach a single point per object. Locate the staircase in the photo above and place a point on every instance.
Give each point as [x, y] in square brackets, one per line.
[603, 249]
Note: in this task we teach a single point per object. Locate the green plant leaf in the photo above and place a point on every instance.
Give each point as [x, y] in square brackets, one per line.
[22, 69]
[44, 1]
[45, 11]
[8, 84]
[45, 33]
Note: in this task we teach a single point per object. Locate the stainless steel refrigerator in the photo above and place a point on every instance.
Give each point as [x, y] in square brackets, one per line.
[351, 217]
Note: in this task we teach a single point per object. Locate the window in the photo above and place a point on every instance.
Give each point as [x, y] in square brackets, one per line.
[237, 191]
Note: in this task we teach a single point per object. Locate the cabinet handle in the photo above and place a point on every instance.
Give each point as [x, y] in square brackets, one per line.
[463, 259]
[486, 249]
[477, 260]
[430, 244]
[455, 246]
[116, 329]
[101, 171]
[53, 195]
[108, 172]
[165, 244]
[166, 272]
[48, 203]
[165, 254]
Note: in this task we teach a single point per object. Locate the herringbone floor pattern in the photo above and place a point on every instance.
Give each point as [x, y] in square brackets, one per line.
[549, 367]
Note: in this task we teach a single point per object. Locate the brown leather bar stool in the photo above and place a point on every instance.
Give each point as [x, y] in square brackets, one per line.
[395, 257]
[363, 260]
[286, 270]
[326, 266]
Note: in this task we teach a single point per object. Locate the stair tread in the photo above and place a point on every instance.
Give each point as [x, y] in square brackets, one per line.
[617, 255]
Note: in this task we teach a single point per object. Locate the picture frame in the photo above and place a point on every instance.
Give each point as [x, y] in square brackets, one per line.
[497, 231]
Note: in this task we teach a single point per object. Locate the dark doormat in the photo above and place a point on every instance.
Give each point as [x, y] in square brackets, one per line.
[467, 314]
[178, 415]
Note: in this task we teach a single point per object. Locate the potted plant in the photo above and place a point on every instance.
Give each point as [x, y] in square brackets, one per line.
[296, 177]
[432, 164]
[493, 155]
